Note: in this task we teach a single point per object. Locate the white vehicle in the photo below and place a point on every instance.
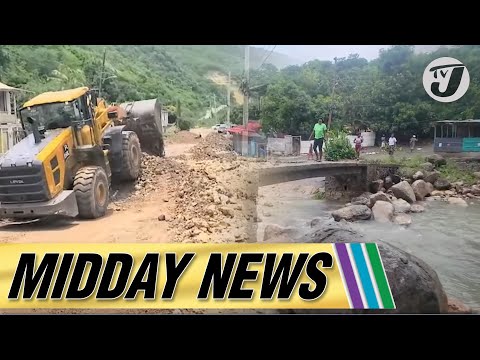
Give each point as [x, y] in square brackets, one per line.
[222, 128]
[215, 127]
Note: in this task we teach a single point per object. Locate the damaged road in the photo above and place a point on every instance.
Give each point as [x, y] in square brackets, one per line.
[204, 193]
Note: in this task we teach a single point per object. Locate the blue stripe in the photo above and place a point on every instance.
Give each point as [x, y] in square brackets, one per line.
[364, 276]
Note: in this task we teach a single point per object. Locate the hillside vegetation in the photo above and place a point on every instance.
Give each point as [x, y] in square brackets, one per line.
[175, 73]
[385, 94]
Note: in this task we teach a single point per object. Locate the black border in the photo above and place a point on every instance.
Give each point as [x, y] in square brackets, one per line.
[223, 23]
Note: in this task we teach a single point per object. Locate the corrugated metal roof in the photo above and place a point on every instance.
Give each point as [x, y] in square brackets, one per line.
[459, 121]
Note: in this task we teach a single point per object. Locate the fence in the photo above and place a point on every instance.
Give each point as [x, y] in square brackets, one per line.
[289, 145]
[10, 134]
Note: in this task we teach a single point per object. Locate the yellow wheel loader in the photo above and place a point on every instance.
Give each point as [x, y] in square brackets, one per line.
[66, 163]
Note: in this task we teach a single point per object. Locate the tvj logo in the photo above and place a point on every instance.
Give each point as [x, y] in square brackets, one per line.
[446, 79]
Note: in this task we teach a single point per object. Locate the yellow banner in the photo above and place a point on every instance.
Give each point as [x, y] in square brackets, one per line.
[171, 276]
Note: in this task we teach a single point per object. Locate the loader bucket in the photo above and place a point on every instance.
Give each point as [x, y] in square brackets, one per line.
[145, 118]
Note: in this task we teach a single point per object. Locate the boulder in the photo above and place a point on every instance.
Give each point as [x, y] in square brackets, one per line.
[442, 184]
[449, 193]
[416, 208]
[421, 189]
[475, 189]
[431, 177]
[436, 160]
[276, 233]
[415, 286]
[396, 178]
[437, 193]
[375, 186]
[404, 191]
[360, 200]
[427, 166]
[352, 213]
[378, 196]
[418, 175]
[457, 201]
[316, 222]
[408, 180]
[388, 183]
[433, 198]
[407, 172]
[383, 211]
[455, 306]
[401, 206]
[402, 219]
[477, 174]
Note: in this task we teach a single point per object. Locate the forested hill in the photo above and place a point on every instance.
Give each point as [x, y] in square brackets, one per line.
[172, 72]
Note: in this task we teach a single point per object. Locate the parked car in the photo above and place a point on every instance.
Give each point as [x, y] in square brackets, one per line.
[222, 128]
[215, 127]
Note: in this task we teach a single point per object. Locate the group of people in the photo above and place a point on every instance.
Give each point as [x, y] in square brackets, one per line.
[392, 143]
[319, 133]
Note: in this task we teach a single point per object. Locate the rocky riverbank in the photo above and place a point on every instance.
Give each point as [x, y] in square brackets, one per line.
[394, 197]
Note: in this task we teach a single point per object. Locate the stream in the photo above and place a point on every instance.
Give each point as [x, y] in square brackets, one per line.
[445, 236]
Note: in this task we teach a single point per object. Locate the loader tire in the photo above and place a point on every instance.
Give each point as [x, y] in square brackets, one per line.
[131, 156]
[92, 191]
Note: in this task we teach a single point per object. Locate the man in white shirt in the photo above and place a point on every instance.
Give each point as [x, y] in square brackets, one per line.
[392, 142]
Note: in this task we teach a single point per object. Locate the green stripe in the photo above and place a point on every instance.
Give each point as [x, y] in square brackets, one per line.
[380, 276]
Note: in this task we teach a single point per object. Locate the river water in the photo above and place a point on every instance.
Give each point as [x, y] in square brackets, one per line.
[445, 236]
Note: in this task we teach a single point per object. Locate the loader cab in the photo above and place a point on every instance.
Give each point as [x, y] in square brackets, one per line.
[63, 109]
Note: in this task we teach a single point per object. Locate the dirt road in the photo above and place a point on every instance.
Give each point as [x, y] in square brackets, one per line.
[201, 192]
[133, 215]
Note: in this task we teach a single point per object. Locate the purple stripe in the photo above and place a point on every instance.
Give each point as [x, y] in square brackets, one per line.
[349, 276]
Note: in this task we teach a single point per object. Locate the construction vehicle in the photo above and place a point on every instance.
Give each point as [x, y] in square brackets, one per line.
[71, 153]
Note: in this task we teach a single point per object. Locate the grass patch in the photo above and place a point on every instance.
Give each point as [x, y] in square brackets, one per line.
[408, 166]
[414, 162]
[452, 172]
[319, 195]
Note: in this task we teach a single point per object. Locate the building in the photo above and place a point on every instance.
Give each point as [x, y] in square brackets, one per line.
[11, 130]
[8, 104]
[247, 141]
[457, 136]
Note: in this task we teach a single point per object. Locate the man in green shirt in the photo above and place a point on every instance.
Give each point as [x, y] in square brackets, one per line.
[319, 131]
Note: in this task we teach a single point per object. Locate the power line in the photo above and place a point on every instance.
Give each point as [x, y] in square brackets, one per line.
[266, 58]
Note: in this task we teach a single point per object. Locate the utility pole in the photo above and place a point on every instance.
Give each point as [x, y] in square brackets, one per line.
[246, 85]
[215, 107]
[246, 98]
[333, 93]
[101, 73]
[228, 98]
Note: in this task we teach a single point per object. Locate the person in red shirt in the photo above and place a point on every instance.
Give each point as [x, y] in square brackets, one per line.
[358, 144]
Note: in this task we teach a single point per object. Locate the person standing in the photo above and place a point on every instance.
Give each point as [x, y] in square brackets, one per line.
[413, 141]
[392, 142]
[319, 131]
[358, 144]
[384, 142]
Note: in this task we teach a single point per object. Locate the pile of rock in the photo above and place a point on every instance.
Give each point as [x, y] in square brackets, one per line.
[428, 184]
[213, 146]
[392, 198]
[392, 206]
[202, 206]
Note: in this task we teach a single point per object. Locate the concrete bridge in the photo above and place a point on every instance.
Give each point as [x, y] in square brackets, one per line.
[342, 178]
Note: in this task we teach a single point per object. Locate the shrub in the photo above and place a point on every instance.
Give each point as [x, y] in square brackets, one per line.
[338, 147]
[184, 124]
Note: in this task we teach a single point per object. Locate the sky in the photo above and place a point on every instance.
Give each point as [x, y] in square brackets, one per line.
[326, 52]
